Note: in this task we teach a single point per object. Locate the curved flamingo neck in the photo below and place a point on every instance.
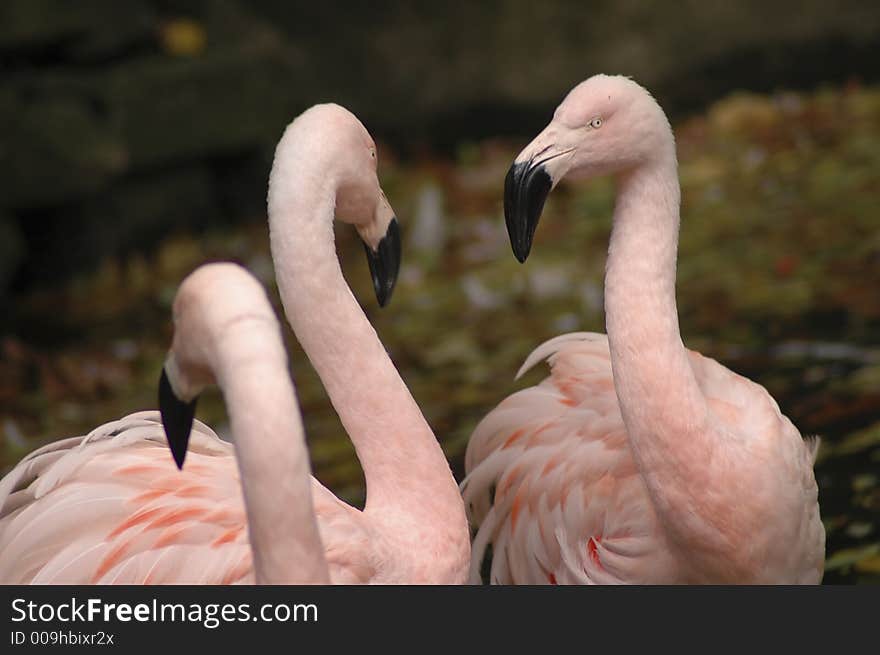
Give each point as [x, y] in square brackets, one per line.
[250, 367]
[409, 482]
[660, 400]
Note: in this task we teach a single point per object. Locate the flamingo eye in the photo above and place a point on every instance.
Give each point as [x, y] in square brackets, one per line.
[596, 123]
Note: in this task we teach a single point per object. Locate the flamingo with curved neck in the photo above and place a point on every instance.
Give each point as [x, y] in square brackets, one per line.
[325, 165]
[406, 471]
[637, 460]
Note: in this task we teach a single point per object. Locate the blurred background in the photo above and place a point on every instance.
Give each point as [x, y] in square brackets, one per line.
[136, 138]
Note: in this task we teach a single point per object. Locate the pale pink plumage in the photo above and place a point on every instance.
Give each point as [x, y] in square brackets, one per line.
[111, 508]
[636, 461]
[570, 506]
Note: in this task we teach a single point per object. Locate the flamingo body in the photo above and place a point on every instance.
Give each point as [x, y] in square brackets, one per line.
[107, 508]
[110, 508]
[570, 506]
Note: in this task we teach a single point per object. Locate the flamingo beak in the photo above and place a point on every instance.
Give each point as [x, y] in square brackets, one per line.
[534, 173]
[384, 262]
[177, 419]
[526, 187]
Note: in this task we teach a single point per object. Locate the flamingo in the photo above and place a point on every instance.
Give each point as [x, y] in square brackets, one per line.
[79, 510]
[145, 521]
[637, 460]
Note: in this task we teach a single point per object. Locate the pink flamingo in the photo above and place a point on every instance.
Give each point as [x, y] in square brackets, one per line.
[110, 507]
[637, 460]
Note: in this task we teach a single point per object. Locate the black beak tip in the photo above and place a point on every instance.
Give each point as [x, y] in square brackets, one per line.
[177, 419]
[521, 256]
[383, 297]
[385, 263]
[526, 188]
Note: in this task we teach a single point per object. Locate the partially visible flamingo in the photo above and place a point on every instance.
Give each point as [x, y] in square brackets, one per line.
[637, 460]
[111, 508]
[77, 511]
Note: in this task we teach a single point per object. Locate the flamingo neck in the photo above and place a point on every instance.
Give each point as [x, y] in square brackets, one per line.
[271, 453]
[409, 482]
[662, 406]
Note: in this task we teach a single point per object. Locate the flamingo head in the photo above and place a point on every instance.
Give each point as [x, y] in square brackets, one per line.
[606, 125]
[216, 303]
[337, 136]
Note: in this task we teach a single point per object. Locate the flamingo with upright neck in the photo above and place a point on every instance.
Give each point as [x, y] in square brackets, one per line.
[149, 523]
[637, 460]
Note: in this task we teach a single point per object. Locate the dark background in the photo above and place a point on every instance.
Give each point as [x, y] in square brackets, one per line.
[153, 108]
[136, 138]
